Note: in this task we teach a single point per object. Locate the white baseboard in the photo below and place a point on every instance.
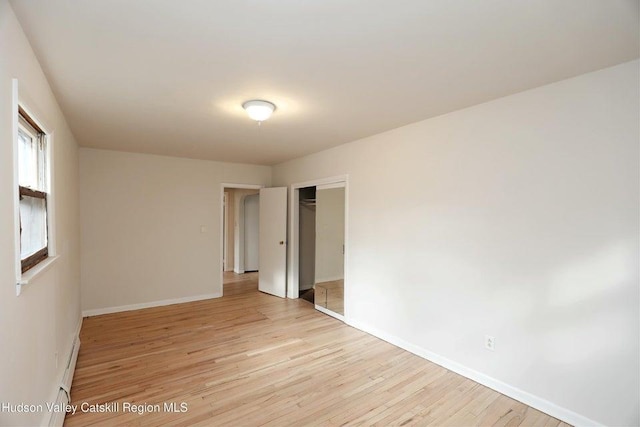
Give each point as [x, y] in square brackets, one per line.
[529, 399]
[118, 309]
[67, 355]
[53, 418]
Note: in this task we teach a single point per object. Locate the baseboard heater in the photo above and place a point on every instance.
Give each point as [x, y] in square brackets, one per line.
[64, 392]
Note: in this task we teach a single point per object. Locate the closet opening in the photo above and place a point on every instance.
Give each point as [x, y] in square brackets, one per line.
[321, 246]
[307, 245]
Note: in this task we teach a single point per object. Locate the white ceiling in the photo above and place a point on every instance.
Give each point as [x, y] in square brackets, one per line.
[169, 76]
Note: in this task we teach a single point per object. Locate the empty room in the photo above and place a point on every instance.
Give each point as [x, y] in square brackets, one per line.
[328, 213]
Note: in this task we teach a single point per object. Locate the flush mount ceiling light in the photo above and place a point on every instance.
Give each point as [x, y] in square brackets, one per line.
[259, 110]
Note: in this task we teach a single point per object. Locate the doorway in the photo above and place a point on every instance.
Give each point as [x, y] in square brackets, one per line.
[240, 238]
[318, 250]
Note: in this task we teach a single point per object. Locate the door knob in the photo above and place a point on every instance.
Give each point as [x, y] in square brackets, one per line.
[282, 242]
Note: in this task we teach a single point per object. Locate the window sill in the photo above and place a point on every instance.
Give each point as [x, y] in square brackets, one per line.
[36, 271]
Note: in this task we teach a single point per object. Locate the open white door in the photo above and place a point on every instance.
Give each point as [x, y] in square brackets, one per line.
[273, 238]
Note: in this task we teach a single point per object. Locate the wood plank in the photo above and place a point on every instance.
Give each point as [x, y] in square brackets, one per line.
[253, 359]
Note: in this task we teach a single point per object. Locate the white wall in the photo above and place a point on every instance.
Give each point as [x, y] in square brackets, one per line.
[141, 219]
[43, 320]
[329, 234]
[516, 218]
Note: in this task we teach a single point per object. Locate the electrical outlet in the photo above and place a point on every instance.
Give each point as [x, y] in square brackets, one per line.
[489, 342]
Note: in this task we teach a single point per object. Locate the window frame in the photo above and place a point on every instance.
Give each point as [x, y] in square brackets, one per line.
[35, 132]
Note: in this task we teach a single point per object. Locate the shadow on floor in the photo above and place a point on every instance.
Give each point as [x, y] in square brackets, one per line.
[307, 295]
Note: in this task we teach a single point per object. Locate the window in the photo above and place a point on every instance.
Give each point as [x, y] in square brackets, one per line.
[33, 181]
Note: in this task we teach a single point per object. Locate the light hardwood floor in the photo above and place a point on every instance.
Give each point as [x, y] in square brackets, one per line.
[252, 359]
[235, 284]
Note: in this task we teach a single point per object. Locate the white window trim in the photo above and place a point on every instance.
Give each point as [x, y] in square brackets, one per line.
[29, 276]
